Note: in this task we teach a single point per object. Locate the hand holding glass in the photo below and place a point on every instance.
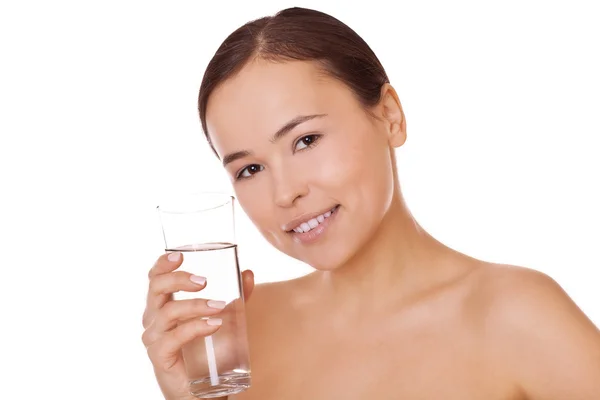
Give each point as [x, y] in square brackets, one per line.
[201, 227]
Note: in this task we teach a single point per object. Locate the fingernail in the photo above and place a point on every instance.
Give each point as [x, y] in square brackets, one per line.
[200, 280]
[214, 321]
[174, 256]
[216, 304]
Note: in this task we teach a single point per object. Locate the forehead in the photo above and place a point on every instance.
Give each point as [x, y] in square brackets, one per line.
[265, 95]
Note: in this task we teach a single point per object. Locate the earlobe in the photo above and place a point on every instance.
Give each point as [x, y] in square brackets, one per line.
[393, 116]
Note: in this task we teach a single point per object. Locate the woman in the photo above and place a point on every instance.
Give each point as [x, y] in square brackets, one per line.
[302, 115]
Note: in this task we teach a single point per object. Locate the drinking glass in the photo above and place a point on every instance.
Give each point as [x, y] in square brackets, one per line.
[201, 227]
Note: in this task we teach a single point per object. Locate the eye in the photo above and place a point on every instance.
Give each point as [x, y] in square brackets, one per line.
[248, 171]
[307, 141]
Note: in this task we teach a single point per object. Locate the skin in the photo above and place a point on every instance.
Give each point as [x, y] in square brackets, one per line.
[389, 310]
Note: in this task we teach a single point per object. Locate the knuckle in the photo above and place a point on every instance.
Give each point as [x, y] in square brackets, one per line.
[153, 285]
[157, 265]
[152, 271]
[167, 283]
[159, 284]
[195, 308]
[147, 338]
[196, 305]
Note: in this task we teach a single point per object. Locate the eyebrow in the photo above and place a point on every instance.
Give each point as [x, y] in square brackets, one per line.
[289, 126]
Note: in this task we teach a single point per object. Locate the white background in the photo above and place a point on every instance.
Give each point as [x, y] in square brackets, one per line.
[98, 119]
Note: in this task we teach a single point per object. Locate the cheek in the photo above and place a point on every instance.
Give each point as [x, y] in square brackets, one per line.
[254, 207]
[360, 170]
[258, 210]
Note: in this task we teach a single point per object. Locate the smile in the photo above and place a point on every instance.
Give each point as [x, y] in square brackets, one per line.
[314, 222]
[312, 229]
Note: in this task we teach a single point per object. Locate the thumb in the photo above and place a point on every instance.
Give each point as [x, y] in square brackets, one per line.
[247, 283]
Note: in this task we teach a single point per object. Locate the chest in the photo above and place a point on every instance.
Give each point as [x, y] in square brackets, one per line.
[432, 362]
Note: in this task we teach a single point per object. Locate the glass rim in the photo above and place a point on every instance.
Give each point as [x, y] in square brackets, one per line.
[166, 205]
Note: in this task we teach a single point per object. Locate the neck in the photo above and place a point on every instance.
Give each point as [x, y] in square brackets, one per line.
[398, 262]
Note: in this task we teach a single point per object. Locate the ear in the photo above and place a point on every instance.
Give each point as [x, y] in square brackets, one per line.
[393, 116]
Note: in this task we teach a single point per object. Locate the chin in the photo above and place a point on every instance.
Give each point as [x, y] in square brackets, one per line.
[327, 260]
[320, 262]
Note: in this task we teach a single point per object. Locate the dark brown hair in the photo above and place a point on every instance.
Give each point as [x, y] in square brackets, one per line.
[298, 34]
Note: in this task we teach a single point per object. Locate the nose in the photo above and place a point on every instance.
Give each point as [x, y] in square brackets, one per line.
[288, 187]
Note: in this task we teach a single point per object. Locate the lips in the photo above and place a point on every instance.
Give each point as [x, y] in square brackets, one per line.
[314, 222]
[317, 233]
[308, 222]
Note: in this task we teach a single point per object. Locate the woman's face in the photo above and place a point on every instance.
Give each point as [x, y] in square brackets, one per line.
[297, 144]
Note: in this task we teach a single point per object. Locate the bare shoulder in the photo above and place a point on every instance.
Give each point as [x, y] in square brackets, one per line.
[523, 296]
[271, 298]
[519, 299]
[543, 336]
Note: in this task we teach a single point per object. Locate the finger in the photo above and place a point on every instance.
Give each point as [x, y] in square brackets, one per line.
[162, 286]
[183, 310]
[172, 342]
[166, 263]
[247, 283]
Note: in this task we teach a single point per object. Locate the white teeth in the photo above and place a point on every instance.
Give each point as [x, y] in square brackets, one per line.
[312, 223]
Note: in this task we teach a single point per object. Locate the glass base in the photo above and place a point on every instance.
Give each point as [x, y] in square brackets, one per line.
[229, 384]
